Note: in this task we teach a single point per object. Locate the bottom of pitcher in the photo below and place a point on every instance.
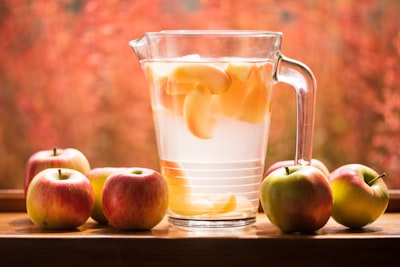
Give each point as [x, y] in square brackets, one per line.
[211, 224]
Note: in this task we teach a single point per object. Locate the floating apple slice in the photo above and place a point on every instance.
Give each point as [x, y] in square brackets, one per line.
[240, 71]
[223, 203]
[176, 178]
[185, 77]
[183, 202]
[159, 83]
[257, 97]
[180, 198]
[202, 205]
[179, 88]
[197, 113]
[255, 103]
[229, 102]
[190, 206]
[248, 97]
[244, 205]
[173, 103]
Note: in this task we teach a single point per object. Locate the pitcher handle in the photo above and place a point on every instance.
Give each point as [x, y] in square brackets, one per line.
[300, 77]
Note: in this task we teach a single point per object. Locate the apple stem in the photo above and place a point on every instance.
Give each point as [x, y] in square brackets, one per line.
[137, 172]
[62, 176]
[287, 170]
[54, 151]
[376, 178]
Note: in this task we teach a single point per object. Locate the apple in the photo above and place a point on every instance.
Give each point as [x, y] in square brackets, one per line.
[314, 162]
[285, 163]
[135, 199]
[297, 198]
[70, 158]
[360, 195]
[97, 178]
[59, 198]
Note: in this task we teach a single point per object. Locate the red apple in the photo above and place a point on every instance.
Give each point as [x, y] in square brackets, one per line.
[97, 178]
[360, 195]
[70, 158]
[314, 162]
[135, 199]
[297, 198]
[59, 198]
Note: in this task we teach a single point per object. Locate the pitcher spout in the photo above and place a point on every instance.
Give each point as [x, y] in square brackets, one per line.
[140, 47]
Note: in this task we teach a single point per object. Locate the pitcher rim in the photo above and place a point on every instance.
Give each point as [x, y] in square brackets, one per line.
[218, 32]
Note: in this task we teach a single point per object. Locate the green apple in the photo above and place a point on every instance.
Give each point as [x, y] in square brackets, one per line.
[97, 178]
[360, 195]
[59, 198]
[297, 198]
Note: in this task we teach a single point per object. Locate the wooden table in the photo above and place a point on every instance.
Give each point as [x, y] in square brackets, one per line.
[260, 245]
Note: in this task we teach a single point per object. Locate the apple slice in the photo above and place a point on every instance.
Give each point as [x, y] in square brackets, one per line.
[248, 100]
[229, 102]
[180, 201]
[244, 205]
[240, 71]
[223, 203]
[201, 205]
[176, 178]
[179, 88]
[255, 103]
[197, 113]
[248, 97]
[190, 206]
[159, 84]
[185, 77]
[172, 103]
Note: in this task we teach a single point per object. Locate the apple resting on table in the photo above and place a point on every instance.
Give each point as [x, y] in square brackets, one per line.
[59, 198]
[135, 199]
[70, 158]
[360, 195]
[297, 198]
[286, 163]
[97, 178]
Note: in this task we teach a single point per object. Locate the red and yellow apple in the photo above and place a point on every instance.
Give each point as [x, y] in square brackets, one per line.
[360, 195]
[297, 198]
[135, 199]
[97, 178]
[70, 158]
[59, 198]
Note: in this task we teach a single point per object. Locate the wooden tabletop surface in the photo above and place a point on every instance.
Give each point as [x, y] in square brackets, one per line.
[22, 242]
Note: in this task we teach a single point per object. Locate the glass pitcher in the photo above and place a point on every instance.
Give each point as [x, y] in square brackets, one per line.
[211, 102]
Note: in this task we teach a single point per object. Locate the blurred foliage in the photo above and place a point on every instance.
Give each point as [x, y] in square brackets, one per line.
[69, 79]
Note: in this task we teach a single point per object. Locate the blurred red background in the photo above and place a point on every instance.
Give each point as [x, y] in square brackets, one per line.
[69, 79]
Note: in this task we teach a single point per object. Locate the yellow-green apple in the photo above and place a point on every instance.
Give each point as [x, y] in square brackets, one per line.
[314, 162]
[97, 178]
[297, 198]
[59, 198]
[360, 195]
[70, 158]
[135, 199]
